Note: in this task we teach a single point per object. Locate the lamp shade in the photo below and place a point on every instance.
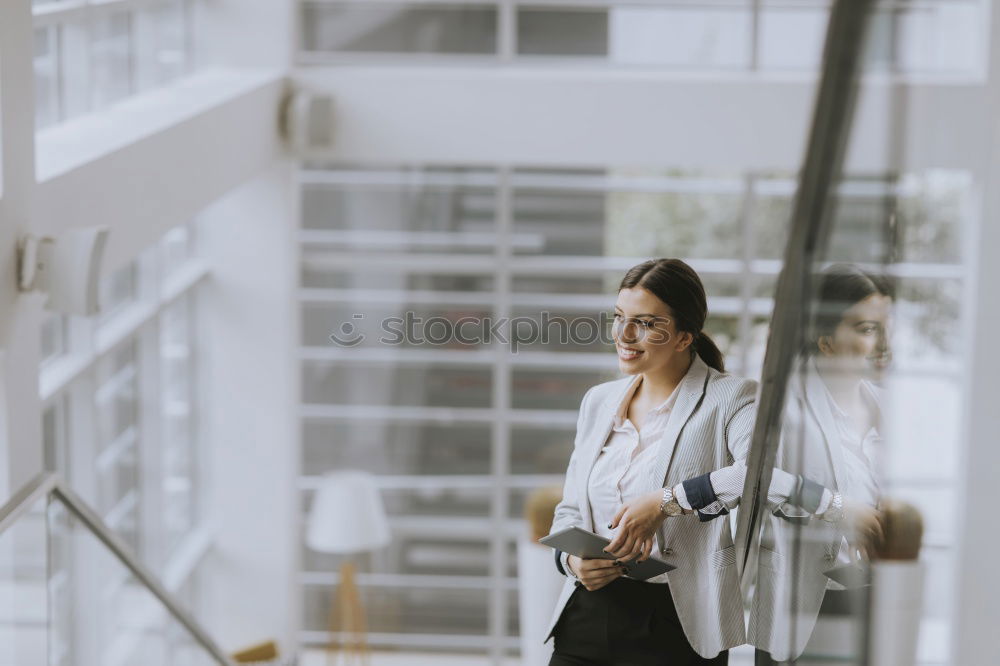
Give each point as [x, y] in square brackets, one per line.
[347, 515]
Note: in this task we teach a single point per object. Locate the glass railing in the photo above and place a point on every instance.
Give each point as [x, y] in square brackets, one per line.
[846, 519]
[74, 594]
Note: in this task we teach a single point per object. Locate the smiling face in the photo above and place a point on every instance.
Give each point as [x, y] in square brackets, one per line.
[860, 343]
[645, 334]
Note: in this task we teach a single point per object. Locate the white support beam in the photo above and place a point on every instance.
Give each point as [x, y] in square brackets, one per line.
[154, 161]
[247, 340]
[20, 416]
[722, 123]
[977, 577]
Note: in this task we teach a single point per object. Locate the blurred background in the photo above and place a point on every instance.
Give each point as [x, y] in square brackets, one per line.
[269, 169]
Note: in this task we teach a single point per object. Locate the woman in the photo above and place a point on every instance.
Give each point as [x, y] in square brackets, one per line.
[830, 438]
[640, 476]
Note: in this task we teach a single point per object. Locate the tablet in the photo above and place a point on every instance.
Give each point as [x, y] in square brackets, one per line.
[589, 546]
[851, 576]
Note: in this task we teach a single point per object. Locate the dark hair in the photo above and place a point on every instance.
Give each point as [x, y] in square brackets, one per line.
[676, 284]
[842, 286]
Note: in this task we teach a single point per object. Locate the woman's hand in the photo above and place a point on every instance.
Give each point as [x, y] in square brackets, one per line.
[862, 525]
[595, 574]
[636, 521]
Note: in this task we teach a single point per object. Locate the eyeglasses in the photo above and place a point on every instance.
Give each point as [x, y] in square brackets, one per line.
[652, 328]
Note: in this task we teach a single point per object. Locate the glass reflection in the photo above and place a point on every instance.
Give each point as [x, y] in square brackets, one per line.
[824, 524]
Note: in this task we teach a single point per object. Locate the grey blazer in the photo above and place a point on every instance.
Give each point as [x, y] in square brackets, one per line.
[795, 547]
[711, 426]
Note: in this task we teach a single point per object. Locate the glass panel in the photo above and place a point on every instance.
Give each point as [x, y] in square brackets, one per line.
[537, 388]
[702, 37]
[519, 498]
[161, 43]
[564, 222]
[861, 233]
[513, 613]
[55, 439]
[410, 610]
[117, 461]
[54, 336]
[111, 59]
[540, 450]
[77, 75]
[918, 39]
[565, 32]
[853, 551]
[638, 35]
[926, 37]
[383, 447]
[863, 204]
[117, 290]
[690, 224]
[385, 27]
[46, 77]
[931, 208]
[175, 249]
[721, 288]
[927, 314]
[104, 611]
[410, 384]
[24, 603]
[115, 396]
[770, 216]
[440, 501]
[589, 282]
[315, 275]
[872, 417]
[416, 555]
[178, 444]
[412, 219]
[792, 37]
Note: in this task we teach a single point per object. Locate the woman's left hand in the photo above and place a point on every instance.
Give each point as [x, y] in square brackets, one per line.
[636, 521]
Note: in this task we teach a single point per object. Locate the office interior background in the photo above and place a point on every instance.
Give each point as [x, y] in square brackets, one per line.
[489, 159]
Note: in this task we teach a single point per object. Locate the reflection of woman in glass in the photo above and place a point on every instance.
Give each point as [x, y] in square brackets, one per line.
[825, 466]
[640, 470]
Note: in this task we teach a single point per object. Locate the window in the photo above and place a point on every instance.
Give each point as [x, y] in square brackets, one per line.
[460, 432]
[740, 35]
[90, 54]
[121, 424]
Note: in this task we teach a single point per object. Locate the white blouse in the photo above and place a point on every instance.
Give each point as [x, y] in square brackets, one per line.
[621, 472]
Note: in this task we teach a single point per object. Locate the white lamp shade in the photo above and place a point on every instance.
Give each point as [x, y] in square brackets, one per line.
[347, 515]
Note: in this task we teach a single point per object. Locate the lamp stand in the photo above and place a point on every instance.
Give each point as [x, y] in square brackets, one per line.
[347, 616]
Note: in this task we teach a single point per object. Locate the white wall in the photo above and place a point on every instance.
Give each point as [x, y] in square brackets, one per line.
[246, 33]
[599, 117]
[250, 332]
[20, 416]
[978, 591]
[142, 167]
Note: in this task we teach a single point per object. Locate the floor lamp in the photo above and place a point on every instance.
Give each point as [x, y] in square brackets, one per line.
[347, 518]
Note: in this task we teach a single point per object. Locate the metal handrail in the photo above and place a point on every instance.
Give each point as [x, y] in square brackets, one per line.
[49, 484]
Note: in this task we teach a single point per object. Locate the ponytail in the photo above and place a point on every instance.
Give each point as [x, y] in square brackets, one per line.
[709, 352]
[679, 287]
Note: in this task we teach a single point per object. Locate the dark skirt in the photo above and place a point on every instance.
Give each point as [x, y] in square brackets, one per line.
[625, 623]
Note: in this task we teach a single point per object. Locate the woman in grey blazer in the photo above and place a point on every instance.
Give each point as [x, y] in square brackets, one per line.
[640, 474]
[831, 434]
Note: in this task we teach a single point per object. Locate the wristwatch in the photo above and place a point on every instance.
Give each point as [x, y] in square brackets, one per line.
[835, 512]
[669, 505]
